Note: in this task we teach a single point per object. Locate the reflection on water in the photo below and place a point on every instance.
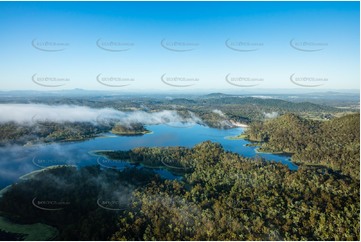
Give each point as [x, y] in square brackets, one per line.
[16, 161]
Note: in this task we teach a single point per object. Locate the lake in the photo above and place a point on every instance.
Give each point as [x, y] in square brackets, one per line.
[16, 161]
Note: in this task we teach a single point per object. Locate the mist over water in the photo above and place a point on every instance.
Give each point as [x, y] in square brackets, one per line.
[33, 113]
[16, 161]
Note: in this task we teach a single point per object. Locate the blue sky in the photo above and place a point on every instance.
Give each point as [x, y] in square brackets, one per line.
[179, 45]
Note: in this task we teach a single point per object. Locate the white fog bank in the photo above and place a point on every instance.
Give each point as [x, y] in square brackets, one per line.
[32, 113]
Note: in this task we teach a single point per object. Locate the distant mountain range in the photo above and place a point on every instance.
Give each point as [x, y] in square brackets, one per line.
[206, 93]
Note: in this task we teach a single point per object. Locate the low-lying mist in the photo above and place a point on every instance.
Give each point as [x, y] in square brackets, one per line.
[34, 113]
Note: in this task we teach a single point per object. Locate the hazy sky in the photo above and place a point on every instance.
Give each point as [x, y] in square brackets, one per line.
[179, 45]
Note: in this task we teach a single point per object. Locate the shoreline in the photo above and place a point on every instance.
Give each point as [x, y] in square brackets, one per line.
[128, 161]
[31, 174]
[98, 136]
[4, 190]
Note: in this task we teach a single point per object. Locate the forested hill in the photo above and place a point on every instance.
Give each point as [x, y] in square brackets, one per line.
[224, 196]
[277, 104]
[334, 144]
[242, 109]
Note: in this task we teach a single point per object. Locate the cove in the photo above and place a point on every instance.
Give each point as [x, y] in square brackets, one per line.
[17, 161]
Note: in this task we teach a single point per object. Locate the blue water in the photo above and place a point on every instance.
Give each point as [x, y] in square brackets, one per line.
[16, 161]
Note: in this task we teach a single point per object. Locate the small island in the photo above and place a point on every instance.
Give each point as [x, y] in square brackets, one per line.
[130, 130]
[237, 137]
[177, 160]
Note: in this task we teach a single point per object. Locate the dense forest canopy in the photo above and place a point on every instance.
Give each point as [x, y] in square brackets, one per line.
[224, 197]
[217, 194]
[214, 111]
[334, 144]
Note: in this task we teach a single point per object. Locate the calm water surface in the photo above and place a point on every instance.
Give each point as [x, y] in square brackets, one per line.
[16, 161]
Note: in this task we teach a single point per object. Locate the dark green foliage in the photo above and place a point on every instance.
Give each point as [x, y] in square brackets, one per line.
[334, 143]
[132, 129]
[43, 132]
[235, 198]
[225, 197]
[76, 193]
[176, 159]
[242, 109]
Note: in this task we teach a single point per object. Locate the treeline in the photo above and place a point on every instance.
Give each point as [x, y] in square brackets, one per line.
[240, 109]
[224, 197]
[129, 130]
[236, 108]
[334, 144]
[175, 159]
[45, 132]
[228, 197]
[216, 111]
